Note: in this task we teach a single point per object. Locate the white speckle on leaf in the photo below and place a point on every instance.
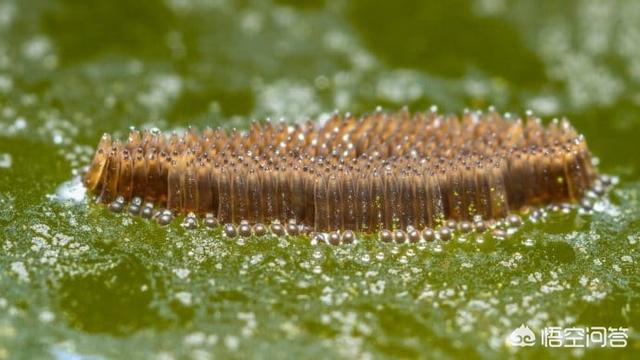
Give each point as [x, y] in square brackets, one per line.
[401, 86]
[231, 342]
[5, 161]
[19, 269]
[182, 273]
[6, 84]
[70, 191]
[544, 104]
[184, 297]
[377, 288]
[163, 89]
[46, 316]
[41, 229]
[36, 48]
[196, 338]
[288, 99]
[250, 323]
[252, 22]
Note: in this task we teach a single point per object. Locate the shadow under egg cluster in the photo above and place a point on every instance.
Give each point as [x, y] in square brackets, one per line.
[408, 177]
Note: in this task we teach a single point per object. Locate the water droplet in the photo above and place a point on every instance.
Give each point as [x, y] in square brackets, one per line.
[499, 234]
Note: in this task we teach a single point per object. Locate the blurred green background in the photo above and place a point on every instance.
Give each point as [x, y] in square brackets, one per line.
[77, 282]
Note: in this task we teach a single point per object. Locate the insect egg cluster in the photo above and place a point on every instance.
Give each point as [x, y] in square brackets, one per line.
[408, 177]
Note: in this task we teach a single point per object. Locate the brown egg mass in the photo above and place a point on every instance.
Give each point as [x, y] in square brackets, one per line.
[379, 171]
